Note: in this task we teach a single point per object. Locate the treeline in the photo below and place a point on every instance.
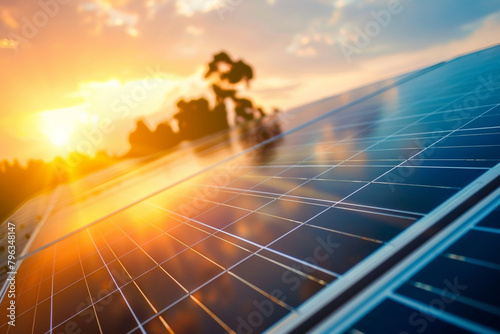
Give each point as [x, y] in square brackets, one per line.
[195, 118]
[18, 182]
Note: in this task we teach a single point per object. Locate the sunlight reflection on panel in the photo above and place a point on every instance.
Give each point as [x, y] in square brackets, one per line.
[267, 230]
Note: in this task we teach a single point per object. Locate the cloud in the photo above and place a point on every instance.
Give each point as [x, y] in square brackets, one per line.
[292, 37]
[190, 7]
[420, 24]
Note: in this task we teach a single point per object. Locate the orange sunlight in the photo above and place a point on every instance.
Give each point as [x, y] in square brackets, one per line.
[58, 125]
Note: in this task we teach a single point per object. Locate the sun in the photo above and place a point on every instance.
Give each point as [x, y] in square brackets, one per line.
[59, 125]
[60, 137]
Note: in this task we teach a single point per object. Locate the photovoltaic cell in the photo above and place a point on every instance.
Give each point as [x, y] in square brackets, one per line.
[254, 241]
[450, 290]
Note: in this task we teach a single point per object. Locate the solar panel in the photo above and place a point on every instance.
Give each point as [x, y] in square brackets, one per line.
[281, 235]
[450, 286]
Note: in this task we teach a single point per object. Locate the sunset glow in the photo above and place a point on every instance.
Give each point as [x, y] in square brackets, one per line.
[125, 60]
[249, 166]
[58, 125]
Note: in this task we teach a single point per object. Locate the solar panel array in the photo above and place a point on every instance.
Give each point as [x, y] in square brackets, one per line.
[451, 288]
[253, 242]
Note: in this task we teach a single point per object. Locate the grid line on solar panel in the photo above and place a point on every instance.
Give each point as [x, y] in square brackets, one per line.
[49, 298]
[278, 197]
[448, 319]
[260, 246]
[453, 272]
[486, 229]
[252, 286]
[398, 121]
[322, 210]
[424, 148]
[116, 284]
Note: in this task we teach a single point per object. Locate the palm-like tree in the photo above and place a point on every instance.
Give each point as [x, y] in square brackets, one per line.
[230, 73]
[235, 71]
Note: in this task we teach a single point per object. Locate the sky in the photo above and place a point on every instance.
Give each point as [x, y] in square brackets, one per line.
[75, 70]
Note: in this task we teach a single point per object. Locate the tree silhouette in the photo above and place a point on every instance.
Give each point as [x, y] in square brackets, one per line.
[222, 94]
[236, 71]
[229, 74]
[165, 136]
[196, 118]
[143, 141]
[243, 109]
